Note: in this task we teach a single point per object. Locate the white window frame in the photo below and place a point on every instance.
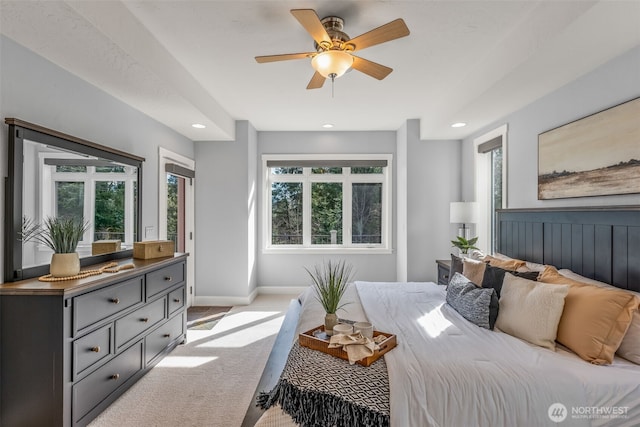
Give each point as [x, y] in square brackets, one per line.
[347, 179]
[48, 185]
[483, 192]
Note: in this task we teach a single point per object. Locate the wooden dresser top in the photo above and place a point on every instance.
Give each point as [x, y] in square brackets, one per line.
[69, 287]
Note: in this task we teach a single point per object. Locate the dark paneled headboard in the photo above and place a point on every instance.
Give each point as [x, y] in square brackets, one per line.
[599, 243]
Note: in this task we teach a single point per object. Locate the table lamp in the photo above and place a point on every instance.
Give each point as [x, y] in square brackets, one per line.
[463, 213]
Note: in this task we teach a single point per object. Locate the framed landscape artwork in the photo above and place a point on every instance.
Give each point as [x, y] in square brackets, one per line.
[595, 156]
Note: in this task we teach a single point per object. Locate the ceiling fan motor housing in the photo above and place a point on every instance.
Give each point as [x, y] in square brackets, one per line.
[334, 26]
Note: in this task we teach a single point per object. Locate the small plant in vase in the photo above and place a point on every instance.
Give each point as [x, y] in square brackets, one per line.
[61, 235]
[330, 283]
[464, 245]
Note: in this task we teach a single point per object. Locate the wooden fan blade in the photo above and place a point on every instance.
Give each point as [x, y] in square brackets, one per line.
[316, 81]
[308, 18]
[371, 68]
[283, 57]
[391, 31]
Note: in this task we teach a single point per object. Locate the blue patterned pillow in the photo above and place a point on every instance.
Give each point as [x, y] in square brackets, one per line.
[477, 305]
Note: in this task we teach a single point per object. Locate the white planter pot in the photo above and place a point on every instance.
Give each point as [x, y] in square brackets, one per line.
[64, 265]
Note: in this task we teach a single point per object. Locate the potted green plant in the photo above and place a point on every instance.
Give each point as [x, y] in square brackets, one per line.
[61, 235]
[465, 245]
[330, 283]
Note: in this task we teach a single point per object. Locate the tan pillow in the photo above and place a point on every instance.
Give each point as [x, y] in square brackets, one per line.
[506, 264]
[473, 270]
[531, 310]
[630, 345]
[594, 320]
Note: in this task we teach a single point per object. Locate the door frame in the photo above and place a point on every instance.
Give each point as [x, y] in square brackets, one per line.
[166, 156]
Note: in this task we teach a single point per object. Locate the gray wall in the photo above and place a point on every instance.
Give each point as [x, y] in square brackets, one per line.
[288, 270]
[226, 218]
[610, 84]
[225, 198]
[37, 91]
[433, 180]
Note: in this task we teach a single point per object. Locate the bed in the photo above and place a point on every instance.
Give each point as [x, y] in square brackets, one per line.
[448, 371]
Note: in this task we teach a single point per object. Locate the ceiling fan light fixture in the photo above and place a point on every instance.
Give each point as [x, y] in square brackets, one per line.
[332, 63]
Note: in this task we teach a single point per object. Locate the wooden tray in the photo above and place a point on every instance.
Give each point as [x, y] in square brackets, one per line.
[317, 339]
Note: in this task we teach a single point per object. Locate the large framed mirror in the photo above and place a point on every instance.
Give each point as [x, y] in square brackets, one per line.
[52, 174]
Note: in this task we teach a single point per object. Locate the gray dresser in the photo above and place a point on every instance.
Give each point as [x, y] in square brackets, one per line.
[69, 349]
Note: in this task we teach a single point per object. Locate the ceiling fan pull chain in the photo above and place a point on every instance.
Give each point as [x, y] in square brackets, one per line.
[333, 78]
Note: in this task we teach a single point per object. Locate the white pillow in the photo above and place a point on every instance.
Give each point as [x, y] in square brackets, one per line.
[630, 345]
[531, 310]
[476, 254]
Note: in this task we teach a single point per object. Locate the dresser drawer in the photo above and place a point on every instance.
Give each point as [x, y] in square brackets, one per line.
[92, 349]
[98, 305]
[139, 321]
[159, 339]
[164, 278]
[93, 389]
[176, 300]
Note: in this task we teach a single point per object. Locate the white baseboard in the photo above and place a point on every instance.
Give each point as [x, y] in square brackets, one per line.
[225, 301]
[260, 290]
[281, 290]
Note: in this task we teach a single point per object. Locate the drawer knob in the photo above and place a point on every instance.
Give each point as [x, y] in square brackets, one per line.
[115, 376]
[167, 278]
[96, 349]
[176, 300]
[115, 300]
[144, 319]
[167, 335]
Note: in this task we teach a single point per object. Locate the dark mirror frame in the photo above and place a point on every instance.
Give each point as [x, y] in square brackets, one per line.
[19, 131]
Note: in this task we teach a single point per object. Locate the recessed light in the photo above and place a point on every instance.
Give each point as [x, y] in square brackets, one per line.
[198, 126]
[327, 125]
[458, 125]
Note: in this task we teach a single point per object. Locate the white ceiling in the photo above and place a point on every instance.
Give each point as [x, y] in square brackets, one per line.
[188, 61]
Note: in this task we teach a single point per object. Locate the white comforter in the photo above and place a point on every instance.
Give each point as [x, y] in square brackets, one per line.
[447, 371]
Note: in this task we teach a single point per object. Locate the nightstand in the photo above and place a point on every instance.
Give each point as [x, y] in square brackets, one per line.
[444, 265]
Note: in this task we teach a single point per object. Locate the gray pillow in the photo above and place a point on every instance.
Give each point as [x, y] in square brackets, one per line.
[477, 305]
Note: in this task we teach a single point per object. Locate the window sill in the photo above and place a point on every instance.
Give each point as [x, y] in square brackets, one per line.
[331, 250]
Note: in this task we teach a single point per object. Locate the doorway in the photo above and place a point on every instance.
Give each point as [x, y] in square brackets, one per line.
[176, 209]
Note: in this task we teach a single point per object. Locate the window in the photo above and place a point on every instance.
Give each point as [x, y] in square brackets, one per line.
[327, 203]
[92, 190]
[491, 184]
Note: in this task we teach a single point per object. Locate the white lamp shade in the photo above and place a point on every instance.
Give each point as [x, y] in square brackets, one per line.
[463, 212]
[330, 62]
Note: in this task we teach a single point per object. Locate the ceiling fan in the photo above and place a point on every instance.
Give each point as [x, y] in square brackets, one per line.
[334, 49]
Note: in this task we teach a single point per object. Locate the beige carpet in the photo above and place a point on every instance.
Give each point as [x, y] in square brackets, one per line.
[209, 381]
